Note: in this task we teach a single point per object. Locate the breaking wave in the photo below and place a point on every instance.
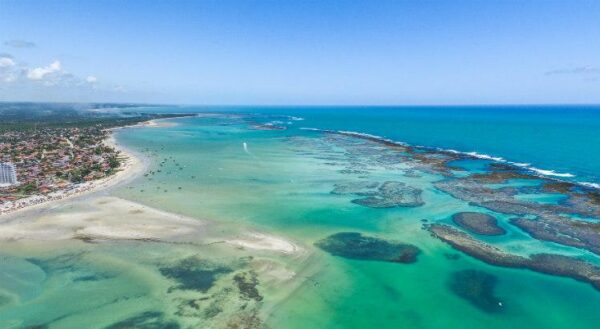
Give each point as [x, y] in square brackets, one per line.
[526, 166]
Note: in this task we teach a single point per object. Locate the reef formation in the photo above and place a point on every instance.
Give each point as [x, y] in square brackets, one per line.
[558, 265]
[477, 287]
[194, 274]
[563, 230]
[354, 245]
[390, 194]
[545, 208]
[478, 223]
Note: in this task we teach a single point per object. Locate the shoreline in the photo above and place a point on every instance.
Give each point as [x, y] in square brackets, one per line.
[132, 166]
[95, 192]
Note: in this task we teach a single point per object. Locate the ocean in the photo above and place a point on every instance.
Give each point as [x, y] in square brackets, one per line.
[560, 140]
[353, 189]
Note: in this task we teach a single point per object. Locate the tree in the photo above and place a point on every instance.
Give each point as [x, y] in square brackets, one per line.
[113, 162]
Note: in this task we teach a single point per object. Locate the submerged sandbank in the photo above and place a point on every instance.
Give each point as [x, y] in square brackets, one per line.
[99, 218]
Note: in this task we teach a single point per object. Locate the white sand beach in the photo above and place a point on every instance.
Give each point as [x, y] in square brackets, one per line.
[131, 166]
[89, 213]
[159, 123]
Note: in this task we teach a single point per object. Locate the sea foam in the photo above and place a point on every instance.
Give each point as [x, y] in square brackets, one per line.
[526, 166]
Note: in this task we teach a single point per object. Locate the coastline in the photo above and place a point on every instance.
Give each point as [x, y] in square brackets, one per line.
[273, 272]
[132, 166]
[94, 194]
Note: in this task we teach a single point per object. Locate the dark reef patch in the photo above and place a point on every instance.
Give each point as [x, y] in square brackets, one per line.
[87, 278]
[391, 292]
[247, 283]
[354, 245]
[353, 172]
[146, 320]
[361, 187]
[474, 189]
[392, 194]
[558, 187]
[477, 287]
[387, 195]
[585, 203]
[497, 177]
[194, 274]
[563, 230]
[551, 222]
[212, 310]
[544, 263]
[478, 223]
[463, 242]
[436, 161]
[205, 307]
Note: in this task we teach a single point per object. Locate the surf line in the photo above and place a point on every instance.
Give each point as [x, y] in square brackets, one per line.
[549, 174]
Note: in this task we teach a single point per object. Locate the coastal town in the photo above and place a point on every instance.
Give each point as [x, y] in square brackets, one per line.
[50, 159]
[43, 161]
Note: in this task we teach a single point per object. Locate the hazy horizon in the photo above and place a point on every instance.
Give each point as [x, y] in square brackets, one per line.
[301, 53]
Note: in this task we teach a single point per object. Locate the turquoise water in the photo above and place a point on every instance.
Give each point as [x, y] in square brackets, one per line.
[281, 184]
[223, 169]
[563, 139]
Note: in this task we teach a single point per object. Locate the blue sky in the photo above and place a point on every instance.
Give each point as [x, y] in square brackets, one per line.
[301, 52]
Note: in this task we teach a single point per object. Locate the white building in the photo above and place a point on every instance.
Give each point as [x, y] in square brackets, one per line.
[8, 174]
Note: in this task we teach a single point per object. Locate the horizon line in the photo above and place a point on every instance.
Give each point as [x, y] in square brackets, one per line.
[301, 105]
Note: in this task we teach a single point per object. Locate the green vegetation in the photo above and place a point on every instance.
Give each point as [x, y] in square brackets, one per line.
[56, 145]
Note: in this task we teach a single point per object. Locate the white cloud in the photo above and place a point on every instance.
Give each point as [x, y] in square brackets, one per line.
[39, 73]
[8, 70]
[7, 62]
[18, 78]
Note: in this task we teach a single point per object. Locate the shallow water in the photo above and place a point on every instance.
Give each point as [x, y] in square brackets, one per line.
[561, 139]
[283, 184]
[280, 182]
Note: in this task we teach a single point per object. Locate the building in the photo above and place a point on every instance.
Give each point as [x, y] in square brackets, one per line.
[8, 174]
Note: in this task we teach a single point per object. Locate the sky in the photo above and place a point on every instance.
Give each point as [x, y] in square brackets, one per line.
[301, 52]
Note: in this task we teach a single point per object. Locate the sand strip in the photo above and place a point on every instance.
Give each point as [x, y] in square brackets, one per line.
[132, 166]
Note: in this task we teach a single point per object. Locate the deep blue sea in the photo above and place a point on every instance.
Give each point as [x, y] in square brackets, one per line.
[560, 141]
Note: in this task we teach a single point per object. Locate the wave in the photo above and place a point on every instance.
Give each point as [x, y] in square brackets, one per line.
[475, 155]
[371, 137]
[521, 164]
[592, 185]
[550, 172]
[544, 173]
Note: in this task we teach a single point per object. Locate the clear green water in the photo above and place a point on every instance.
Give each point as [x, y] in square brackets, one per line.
[280, 184]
